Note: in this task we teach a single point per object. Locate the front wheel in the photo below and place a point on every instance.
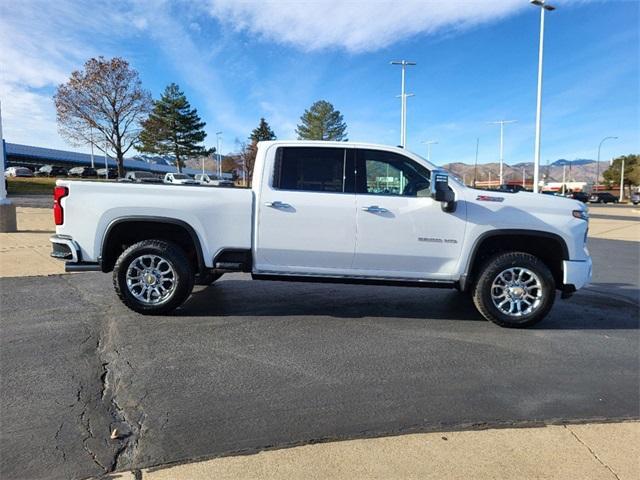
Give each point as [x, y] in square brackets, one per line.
[515, 290]
[153, 277]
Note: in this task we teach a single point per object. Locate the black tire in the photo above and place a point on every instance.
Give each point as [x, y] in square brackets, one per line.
[482, 290]
[174, 256]
[207, 278]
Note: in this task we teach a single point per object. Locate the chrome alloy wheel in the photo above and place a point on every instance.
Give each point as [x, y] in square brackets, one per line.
[516, 291]
[151, 279]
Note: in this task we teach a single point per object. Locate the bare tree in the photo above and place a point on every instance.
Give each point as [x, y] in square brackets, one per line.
[104, 105]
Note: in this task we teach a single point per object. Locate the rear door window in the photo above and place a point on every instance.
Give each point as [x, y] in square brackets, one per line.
[314, 169]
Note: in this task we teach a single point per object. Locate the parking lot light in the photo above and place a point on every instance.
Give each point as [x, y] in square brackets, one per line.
[598, 161]
[544, 6]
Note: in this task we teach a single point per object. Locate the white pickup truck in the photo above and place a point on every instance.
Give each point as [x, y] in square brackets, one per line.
[329, 212]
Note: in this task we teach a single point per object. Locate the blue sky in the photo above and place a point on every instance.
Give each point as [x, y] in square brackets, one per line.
[240, 60]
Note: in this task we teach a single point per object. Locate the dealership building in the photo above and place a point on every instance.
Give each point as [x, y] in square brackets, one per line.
[17, 155]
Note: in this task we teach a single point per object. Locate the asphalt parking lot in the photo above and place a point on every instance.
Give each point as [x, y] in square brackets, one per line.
[251, 365]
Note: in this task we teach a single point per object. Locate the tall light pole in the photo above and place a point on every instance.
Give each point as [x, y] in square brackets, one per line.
[428, 143]
[403, 102]
[598, 161]
[502, 123]
[621, 180]
[218, 142]
[544, 6]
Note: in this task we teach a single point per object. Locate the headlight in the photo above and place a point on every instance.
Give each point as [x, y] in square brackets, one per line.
[581, 214]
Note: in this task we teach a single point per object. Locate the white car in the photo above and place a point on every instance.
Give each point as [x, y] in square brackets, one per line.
[179, 179]
[204, 179]
[329, 212]
[18, 172]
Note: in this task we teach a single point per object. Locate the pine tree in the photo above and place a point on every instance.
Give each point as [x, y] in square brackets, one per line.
[262, 132]
[322, 122]
[173, 128]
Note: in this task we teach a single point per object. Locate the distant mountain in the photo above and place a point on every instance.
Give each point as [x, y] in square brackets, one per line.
[581, 170]
[580, 161]
[154, 159]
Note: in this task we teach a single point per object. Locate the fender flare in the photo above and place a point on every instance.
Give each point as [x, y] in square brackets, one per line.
[464, 278]
[147, 218]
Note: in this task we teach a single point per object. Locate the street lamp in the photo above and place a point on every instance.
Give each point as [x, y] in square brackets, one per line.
[502, 123]
[403, 102]
[544, 6]
[428, 143]
[218, 142]
[598, 161]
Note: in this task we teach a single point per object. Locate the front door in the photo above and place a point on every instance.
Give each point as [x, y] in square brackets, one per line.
[307, 212]
[401, 231]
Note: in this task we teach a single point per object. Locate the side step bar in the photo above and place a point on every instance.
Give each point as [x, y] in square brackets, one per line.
[82, 267]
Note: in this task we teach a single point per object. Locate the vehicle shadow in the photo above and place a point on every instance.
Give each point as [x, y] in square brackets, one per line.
[240, 298]
[275, 299]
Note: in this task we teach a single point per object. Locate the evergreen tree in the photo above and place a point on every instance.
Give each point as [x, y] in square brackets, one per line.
[173, 128]
[262, 132]
[322, 122]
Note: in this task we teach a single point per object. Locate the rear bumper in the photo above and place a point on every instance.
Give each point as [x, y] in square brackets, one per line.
[65, 248]
[577, 274]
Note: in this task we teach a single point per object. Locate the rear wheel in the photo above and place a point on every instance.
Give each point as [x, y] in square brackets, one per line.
[153, 277]
[514, 290]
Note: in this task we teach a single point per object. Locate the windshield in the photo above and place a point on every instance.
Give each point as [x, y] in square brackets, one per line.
[143, 175]
[181, 176]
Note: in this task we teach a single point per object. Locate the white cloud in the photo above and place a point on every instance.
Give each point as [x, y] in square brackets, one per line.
[356, 26]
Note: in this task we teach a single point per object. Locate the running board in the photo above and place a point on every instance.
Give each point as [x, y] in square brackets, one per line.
[397, 282]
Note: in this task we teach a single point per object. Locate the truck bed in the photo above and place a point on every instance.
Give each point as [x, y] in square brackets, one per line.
[221, 217]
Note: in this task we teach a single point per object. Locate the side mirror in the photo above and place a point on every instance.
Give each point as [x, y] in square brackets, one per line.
[440, 190]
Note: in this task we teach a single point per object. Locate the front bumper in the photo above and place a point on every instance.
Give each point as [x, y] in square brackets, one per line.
[577, 274]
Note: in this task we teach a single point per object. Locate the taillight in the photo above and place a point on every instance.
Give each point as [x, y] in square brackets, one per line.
[58, 194]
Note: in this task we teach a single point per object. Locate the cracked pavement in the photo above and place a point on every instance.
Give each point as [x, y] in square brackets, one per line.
[252, 365]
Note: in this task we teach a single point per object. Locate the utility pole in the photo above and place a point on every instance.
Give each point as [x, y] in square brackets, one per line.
[544, 6]
[598, 161]
[106, 164]
[403, 102]
[621, 181]
[218, 143]
[502, 123]
[475, 166]
[428, 143]
[564, 177]
[524, 177]
[8, 221]
[91, 141]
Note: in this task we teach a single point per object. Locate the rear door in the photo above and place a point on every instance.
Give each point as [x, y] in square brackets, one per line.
[402, 231]
[307, 212]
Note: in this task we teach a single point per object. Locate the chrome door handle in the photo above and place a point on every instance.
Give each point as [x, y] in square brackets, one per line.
[277, 204]
[375, 209]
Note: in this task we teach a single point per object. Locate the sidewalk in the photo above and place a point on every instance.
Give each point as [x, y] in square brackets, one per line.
[581, 452]
[26, 253]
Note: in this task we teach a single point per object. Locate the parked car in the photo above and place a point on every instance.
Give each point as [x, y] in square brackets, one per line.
[635, 198]
[603, 197]
[141, 177]
[18, 172]
[551, 192]
[580, 196]
[313, 214]
[51, 171]
[510, 188]
[83, 172]
[179, 179]
[108, 173]
[204, 179]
